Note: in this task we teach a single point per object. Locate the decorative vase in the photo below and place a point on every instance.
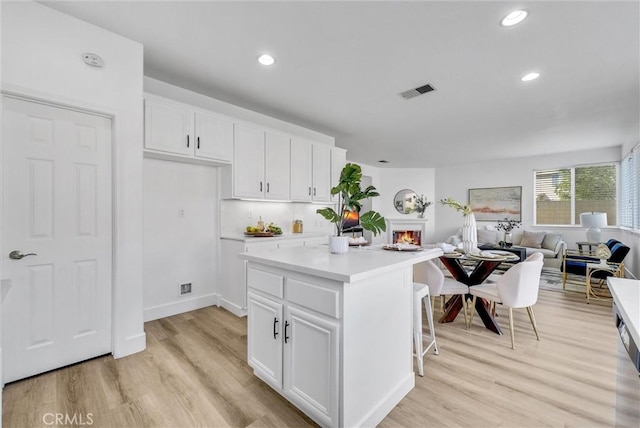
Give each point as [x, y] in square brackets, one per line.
[339, 244]
[420, 214]
[469, 233]
[508, 239]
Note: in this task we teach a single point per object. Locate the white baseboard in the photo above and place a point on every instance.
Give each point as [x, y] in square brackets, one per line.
[131, 345]
[233, 308]
[180, 306]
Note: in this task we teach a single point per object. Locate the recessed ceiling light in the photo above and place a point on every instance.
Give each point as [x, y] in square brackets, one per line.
[266, 59]
[515, 17]
[530, 76]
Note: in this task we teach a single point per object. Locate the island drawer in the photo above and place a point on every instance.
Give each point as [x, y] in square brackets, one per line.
[266, 282]
[312, 296]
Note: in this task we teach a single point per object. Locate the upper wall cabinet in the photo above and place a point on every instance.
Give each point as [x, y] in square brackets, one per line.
[175, 130]
[311, 173]
[261, 165]
[338, 161]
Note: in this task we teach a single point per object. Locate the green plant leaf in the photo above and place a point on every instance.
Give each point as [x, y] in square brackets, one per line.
[329, 214]
[373, 221]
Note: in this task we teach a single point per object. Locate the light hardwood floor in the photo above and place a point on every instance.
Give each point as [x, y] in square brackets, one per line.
[194, 373]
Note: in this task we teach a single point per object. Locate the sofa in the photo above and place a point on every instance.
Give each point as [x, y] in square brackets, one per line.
[549, 243]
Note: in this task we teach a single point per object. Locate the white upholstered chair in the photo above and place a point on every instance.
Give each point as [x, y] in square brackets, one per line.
[422, 342]
[439, 285]
[517, 288]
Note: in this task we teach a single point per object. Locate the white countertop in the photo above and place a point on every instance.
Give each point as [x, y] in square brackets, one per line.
[626, 295]
[245, 238]
[358, 264]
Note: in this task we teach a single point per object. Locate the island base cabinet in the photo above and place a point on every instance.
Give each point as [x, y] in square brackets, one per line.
[311, 365]
[293, 349]
[264, 344]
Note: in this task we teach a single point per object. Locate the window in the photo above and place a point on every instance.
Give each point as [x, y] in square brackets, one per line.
[630, 190]
[563, 193]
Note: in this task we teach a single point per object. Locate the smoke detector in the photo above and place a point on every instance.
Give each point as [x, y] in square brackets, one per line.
[93, 60]
[412, 93]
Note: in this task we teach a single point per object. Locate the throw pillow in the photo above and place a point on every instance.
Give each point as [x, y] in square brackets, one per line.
[532, 239]
[487, 237]
[551, 240]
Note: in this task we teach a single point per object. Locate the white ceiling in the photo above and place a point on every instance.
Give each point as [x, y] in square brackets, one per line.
[341, 65]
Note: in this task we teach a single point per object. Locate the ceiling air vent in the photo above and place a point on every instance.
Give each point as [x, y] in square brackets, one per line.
[412, 93]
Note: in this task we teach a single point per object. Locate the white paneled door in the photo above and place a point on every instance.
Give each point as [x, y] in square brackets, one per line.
[57, 236]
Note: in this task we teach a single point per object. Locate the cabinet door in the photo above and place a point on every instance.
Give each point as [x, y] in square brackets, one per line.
[311, 364]
[338, 161]
[277, 166]
[248, 162]
[321, 173]
[213, 137]
[168, 127]
[301, 173]
[264, 338]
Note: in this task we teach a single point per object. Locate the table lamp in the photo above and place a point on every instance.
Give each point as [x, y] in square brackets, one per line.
[593, 221]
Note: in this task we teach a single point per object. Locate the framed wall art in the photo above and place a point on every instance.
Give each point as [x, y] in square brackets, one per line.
[496, 203]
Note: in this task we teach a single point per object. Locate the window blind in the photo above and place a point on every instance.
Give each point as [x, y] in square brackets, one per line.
[630, 190]
[563, 193]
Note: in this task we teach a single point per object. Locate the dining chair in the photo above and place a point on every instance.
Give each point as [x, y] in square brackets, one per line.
[517, 288]
[439, 285]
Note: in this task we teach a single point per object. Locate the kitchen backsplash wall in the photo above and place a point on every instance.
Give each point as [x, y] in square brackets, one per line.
[236, 215]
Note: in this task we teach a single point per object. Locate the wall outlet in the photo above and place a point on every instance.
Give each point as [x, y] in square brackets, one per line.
[185, 288]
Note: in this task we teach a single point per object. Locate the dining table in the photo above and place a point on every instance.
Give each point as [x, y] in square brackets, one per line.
[473, 269]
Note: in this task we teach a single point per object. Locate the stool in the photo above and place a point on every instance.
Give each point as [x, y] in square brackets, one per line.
[421, 294]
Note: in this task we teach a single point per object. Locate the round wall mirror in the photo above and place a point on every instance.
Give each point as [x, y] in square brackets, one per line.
[405, 201]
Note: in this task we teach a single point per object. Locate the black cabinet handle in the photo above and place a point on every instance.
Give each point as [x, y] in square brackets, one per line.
[275, 328]
[261, 186]
[198, 143]
[267, 187]
[187, 140]
[309, 191]
[314, 191]
[286, 338]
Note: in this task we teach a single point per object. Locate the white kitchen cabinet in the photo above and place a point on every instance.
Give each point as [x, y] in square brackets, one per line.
[248, 162]
[261, 165]
[301, 174]
[311, 363]
[302, 327]
[264, 348]
[213, 137]
[277, 160]
[182, 132]
[310, 171]
[168, 127]
[338, 161]
[321, 173]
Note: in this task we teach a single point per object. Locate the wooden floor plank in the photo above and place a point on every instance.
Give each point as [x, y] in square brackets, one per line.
[194, 373]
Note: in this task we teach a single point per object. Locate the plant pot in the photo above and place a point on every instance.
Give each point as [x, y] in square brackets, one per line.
[339, 244]
[469, 233]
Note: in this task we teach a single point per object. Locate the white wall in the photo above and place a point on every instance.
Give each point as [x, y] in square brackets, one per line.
[180, 237]
[237, 215]
[420, 180]
[42, 57]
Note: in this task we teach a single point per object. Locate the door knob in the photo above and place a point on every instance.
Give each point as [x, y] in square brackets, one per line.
[16, 255]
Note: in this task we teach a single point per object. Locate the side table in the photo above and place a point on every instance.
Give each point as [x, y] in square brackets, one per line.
[615, 270]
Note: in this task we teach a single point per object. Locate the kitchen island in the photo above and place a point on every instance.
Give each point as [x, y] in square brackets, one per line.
[332, 333]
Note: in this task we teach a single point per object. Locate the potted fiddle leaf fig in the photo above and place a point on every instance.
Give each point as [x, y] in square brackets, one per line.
[349, 196]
